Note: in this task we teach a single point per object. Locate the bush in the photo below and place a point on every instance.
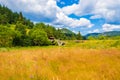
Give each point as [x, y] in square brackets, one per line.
[39, 38]
[6, 36]
[21, 37]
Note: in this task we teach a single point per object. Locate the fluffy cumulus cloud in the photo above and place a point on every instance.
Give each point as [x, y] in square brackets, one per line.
[70, 9]
[63, 19]
[83, 8]
[109, 27]
[46, 9]
[107, 9]
[49, 12]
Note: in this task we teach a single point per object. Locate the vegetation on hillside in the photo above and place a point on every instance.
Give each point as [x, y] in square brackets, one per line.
[16, 30]
[111, 35]
[96, 58]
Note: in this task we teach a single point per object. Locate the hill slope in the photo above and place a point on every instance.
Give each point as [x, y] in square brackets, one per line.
[110, 33]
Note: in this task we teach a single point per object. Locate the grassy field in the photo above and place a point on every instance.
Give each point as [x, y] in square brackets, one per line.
[77, 60]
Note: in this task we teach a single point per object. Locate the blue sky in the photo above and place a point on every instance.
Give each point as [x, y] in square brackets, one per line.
[86, 16]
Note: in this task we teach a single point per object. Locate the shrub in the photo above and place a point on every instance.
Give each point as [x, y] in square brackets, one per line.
[6, 36]
[39, 37]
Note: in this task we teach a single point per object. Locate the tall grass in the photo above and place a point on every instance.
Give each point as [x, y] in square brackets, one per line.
[95, 44]
[61, 63]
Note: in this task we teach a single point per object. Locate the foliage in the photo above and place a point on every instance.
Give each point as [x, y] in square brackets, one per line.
[48, 29]
[21, 38]
[102, 37]
[6, 36]
[79, 36]
[67, 34]
[62, 34]
[21, 28]
[16, 30]
[39, 37]
[7, 16]
[111, 35]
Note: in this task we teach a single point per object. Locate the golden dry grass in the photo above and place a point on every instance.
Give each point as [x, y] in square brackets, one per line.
[60, 63]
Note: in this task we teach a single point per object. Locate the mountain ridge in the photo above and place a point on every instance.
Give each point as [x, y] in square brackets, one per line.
[110, 33]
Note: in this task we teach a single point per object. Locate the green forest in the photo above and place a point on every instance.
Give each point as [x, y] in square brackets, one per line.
[16, 30]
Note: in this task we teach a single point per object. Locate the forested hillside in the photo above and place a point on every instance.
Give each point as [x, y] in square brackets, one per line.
[16, 30]
[111, 35]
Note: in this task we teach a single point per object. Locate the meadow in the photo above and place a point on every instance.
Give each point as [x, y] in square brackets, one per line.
[76, 60]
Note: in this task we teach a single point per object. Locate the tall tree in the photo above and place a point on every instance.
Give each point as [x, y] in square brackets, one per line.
[79, 36]
[20, 16]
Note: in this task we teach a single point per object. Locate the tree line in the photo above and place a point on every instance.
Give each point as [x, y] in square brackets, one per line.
[16, 30]
[103, 37]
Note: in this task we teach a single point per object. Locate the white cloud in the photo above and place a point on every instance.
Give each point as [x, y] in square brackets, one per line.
[95, 17]
[70, 9]
[82, 22]
[47, 9]
[94, 31]
[44, 8]
[83, 8]
[109, 27]
[107, 9]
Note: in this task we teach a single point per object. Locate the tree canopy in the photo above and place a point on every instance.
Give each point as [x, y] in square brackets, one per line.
[16, 30]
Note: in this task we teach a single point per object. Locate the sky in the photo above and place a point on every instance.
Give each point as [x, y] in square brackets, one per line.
[86, 16]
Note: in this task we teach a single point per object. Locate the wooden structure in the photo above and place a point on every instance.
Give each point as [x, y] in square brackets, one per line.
[52, 39]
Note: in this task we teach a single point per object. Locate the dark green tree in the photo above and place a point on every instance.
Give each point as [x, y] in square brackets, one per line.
[101, 37]
[39, 37]
[79, 36]
[21, 18]
[21, 38]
